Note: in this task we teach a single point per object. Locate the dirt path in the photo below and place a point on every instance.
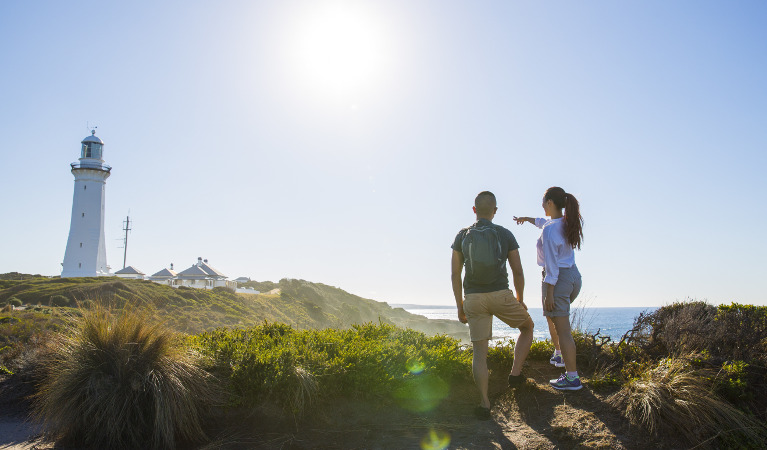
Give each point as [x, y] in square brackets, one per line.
[17, 434]
[535, 416]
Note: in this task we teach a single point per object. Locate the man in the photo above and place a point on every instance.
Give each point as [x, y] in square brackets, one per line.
[483, 249]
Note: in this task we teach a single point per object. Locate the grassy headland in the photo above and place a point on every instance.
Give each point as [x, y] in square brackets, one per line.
[326, 365]
[300, 304]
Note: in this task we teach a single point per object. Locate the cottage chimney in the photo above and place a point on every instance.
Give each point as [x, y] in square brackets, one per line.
[199, 261]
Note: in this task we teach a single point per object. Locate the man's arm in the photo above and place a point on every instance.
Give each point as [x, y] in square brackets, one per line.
[519, 276]
[456, 266]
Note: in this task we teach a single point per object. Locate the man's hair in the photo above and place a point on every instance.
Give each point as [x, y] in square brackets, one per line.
[485, 203]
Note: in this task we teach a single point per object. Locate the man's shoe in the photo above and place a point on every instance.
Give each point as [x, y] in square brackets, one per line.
[557, 361]
[516, 380]
[564, 383]
[482, 413]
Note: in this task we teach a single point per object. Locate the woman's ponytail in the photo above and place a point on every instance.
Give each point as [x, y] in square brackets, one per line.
[573, 221]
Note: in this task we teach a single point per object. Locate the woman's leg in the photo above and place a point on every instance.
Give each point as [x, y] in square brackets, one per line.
[566, 342]
[553, 333]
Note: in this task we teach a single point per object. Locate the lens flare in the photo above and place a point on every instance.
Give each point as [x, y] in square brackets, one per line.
[422, 393]
[415, 366]
[435, 440]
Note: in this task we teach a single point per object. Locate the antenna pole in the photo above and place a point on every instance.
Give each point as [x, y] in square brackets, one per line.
[126, 228]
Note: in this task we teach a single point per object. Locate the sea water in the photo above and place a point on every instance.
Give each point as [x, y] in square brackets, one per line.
[613, 322]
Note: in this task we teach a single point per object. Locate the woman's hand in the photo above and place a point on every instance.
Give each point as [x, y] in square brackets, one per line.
[521, 220]
[548, 304]
[548, 301]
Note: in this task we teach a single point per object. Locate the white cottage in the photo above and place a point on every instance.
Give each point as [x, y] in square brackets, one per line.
[130, 272]
[202, 275]
[165, 276]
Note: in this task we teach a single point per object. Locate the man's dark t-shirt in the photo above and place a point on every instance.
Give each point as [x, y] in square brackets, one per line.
[508, 243]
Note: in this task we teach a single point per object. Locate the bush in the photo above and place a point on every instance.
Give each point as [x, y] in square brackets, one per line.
[59, 300]
[120, 382]
[541, 350]
[87, 304]
[274, 363]
[13, 301]
[501, 355]
[718, 336]
[674, 398]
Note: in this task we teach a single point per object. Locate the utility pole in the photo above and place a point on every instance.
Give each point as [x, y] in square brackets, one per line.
[126, 228]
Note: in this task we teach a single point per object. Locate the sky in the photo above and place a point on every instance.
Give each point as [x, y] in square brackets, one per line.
[343, 142]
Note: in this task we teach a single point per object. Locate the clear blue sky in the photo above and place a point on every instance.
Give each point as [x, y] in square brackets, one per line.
[344, 142]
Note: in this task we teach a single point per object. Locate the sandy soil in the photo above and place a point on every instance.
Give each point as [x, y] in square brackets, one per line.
[18, 434]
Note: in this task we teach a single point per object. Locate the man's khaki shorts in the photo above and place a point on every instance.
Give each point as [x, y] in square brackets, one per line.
[480, 309]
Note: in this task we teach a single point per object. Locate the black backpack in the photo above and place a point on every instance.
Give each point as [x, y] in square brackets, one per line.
[481, 248]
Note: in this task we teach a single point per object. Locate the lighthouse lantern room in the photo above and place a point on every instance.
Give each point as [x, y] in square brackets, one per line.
[85, 255]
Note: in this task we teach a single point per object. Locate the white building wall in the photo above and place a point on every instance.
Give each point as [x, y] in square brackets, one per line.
[131, 276]
[85, 255]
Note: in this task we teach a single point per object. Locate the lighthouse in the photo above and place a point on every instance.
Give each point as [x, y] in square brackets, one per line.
[86, 254]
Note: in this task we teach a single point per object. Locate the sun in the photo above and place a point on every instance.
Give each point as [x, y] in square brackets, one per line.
[340, 50]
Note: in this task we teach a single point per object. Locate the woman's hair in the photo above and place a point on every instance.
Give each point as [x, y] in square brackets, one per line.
[573, 219]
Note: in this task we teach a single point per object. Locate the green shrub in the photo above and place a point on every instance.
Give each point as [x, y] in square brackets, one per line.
[501, 355]
[59, 300]
[13, 301]
[120, 382]
[278, 364]
[87, 304]
[732, 382]
[541, 350]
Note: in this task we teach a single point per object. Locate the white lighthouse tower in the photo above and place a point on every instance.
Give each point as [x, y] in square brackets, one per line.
[86, 254]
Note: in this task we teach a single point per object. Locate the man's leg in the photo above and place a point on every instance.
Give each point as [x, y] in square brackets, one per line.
[566, 341]
[522, 347]
[479, 367]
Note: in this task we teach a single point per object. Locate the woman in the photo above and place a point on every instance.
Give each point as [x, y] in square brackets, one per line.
[561, 280]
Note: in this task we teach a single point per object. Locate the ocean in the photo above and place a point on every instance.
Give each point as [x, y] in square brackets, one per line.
[612, 322]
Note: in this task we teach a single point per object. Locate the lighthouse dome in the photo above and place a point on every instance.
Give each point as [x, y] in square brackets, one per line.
[93, 147]
[93, 138]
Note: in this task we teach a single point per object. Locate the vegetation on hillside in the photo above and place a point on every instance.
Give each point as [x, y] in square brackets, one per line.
[296, 369]
[300, 304]
[691, 372]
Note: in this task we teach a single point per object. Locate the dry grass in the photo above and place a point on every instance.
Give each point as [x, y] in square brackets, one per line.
[305, 393]
[121, 381]
[674, 398]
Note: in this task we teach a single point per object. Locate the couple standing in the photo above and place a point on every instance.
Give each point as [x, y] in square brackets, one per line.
[483, 249]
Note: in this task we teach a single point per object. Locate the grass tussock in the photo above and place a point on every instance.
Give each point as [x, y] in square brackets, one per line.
[674, 398]
[121, 381]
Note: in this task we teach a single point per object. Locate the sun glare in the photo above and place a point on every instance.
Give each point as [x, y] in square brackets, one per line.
[340, 50]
